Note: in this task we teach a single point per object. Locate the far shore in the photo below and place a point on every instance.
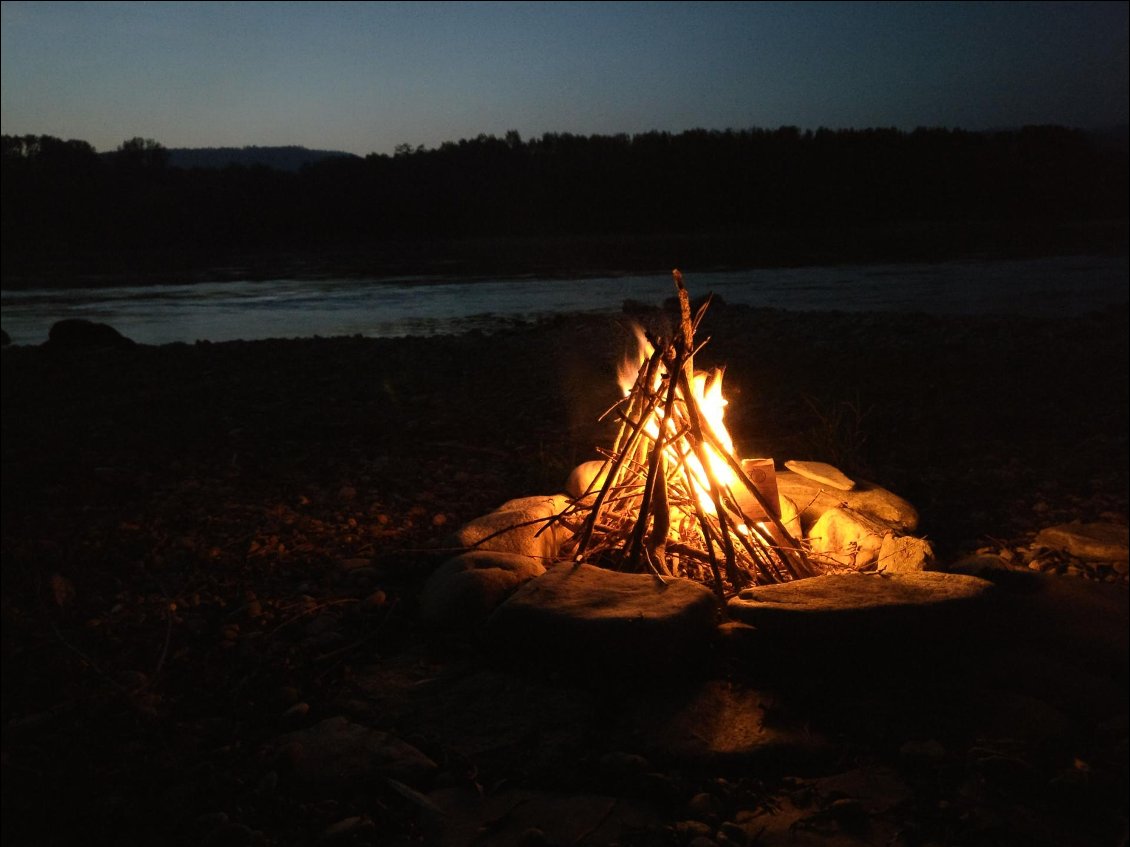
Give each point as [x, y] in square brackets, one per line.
[574, 256]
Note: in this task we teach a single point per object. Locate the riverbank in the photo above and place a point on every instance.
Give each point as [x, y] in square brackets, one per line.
[207, 546]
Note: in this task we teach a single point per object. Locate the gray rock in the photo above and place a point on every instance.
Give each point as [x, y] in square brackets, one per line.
[822, 473]
[837, 606]
[574, 613]
[465, 590]
[1099, 542]
[518, 526]
[905, 554]
[813, 500]
[338, 753]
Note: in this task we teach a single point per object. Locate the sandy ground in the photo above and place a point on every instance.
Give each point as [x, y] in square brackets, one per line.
[204, 546]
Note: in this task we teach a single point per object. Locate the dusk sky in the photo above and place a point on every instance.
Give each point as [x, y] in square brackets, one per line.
[365, 77]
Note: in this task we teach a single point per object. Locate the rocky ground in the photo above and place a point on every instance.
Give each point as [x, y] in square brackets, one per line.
[212, 556]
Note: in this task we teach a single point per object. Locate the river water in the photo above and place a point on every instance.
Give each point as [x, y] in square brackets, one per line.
[289, 308]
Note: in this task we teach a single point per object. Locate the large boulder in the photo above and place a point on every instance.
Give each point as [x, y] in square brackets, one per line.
[79, 334]
[463, 591]
[600, 620]
[519, 526]
[814, 499]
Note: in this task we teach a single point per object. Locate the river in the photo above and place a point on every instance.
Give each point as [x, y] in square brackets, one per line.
[288, 308]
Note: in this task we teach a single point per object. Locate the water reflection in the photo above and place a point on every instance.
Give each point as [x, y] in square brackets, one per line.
[224, 311]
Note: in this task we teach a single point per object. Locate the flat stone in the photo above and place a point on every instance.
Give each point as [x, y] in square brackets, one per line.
[822, 473]
[518, 526]
[338, 753]
[464, 591]
[594, 618]
[813, 499]
[839, 605]
[1097, 542]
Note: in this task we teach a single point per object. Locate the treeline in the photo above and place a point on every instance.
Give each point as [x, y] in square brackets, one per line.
[61, 198]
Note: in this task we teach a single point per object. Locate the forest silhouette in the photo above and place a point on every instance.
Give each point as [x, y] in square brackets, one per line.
[564, 202]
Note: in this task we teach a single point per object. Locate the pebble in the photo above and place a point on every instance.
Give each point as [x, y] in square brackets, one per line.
[343, 827]
[703, 805]
[294, 715]
[354, 564]
[229, 835]
[686, 830]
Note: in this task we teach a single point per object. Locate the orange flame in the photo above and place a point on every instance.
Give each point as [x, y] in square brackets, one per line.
[707, 389]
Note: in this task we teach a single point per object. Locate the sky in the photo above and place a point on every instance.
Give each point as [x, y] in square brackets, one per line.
[366, 77]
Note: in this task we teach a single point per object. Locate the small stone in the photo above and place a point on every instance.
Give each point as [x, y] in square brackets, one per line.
[923, 750]
[623, 764]
[342, 828]
[294, 715]
[703, 805]
[823, 473]
[904, 554]
[1101, 542]
[376, 600]
[690, 829]
[229, 835]
[848, 538]
[354, 564]
[337, 753]
[734, 833]
[268, 783]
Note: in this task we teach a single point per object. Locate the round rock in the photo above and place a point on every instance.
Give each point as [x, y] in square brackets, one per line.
[519, 526]
[600, 620]
[814, 499]
[465, 590]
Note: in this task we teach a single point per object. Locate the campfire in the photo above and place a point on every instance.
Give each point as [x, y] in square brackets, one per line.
[670, 496]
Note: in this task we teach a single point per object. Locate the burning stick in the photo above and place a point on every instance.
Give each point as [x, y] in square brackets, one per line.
[666, 503]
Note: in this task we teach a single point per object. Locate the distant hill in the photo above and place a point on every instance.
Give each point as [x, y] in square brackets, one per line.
[290, 158]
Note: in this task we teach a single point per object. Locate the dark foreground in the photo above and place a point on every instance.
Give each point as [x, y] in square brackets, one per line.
[206, 547]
